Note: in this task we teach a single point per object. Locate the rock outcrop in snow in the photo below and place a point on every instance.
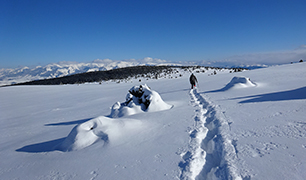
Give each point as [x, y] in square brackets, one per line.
[139, 99]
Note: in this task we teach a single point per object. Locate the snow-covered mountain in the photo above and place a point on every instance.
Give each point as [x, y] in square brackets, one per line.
[53, 70]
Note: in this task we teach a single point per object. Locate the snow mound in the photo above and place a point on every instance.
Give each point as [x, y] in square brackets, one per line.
[240, 82]
[102, 129]
[139, 99]
[85, 134]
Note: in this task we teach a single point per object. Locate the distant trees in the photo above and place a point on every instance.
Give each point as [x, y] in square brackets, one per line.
[121, 74]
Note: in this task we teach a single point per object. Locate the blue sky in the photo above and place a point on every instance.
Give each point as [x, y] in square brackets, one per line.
[38, 32]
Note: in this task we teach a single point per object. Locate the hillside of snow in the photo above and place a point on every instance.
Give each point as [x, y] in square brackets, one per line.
[54, 70]
[245, 125]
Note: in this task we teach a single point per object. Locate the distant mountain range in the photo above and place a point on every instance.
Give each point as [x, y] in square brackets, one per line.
[23, 74]
[61, 69]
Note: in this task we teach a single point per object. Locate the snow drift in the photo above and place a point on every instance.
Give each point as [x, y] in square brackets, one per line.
[238, 82]
[101, 129]
[139, 99]
[86, 134]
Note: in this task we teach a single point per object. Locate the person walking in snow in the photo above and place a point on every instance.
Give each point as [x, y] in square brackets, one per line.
[193, 80]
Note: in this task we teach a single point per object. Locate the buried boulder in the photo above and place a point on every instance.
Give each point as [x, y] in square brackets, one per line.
[110, 130]
[102, 130]
[84, 135]
[236, 83]
[239, 82]
[139, 99]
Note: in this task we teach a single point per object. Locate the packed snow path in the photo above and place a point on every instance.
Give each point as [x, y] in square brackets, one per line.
[210, 154]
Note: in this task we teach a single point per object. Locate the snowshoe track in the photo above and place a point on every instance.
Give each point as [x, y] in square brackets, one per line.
[210, 154]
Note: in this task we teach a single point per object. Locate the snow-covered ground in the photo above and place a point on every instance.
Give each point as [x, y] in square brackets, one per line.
[246, 125]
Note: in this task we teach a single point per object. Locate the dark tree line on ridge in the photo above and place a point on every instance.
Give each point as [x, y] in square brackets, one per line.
[119, 74]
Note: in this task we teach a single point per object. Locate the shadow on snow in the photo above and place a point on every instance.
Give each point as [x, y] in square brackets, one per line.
[225, 88]
[296, 94]
[42, 147]
[69, 122]
[49, 146]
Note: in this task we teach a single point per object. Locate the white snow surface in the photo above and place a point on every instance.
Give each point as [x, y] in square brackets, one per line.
[246, 125]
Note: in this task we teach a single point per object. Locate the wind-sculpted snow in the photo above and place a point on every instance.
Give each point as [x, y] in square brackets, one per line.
[104, 129]
[236, 83]
[85, 134]
[240, 82]
[211, 154]
[101, 129]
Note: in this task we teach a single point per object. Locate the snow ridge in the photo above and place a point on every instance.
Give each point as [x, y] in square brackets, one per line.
[211, 154]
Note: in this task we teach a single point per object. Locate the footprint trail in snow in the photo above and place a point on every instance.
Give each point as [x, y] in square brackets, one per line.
[210, 155]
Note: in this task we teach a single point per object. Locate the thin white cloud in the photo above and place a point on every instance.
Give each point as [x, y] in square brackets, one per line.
[301, 47]
[272, 58]
[146, 60]
[102, 61]
[151, 60]
[261, 59]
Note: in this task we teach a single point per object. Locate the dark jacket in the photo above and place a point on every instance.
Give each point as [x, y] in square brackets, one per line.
[193, 79]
